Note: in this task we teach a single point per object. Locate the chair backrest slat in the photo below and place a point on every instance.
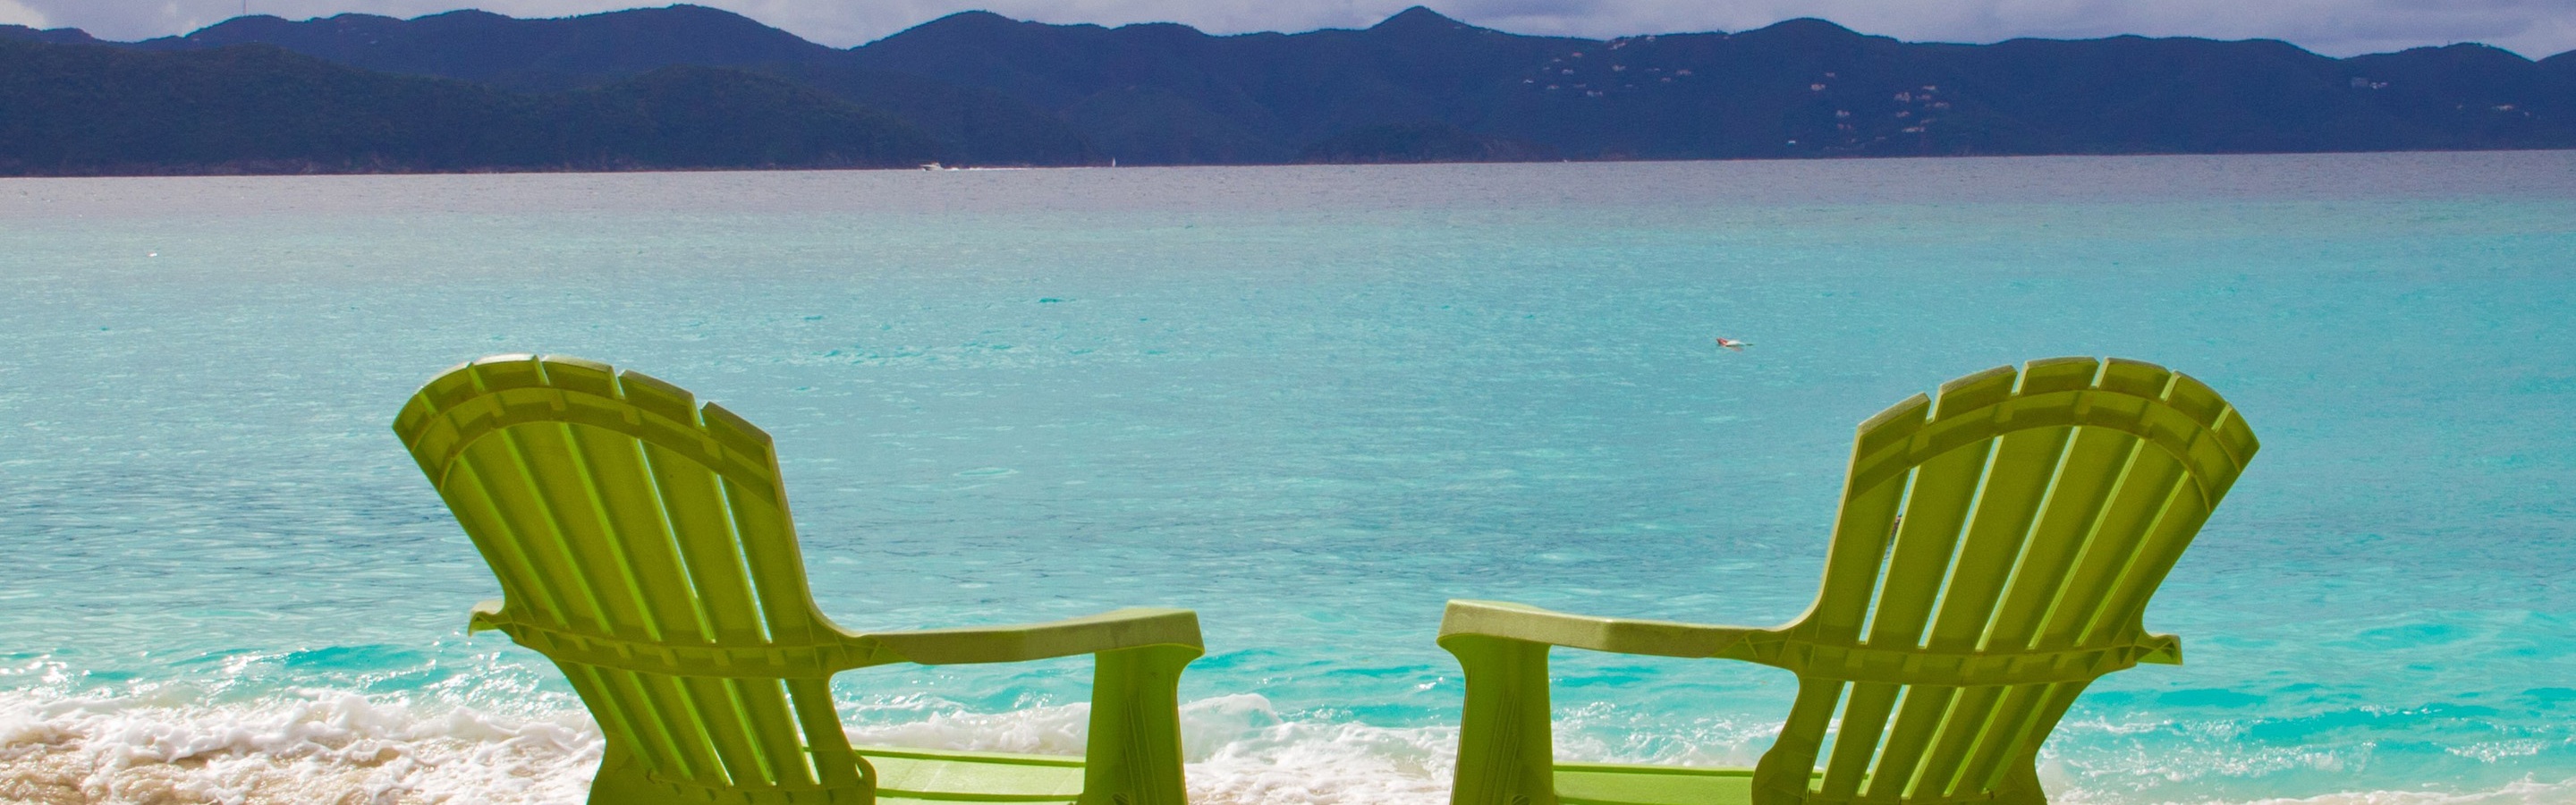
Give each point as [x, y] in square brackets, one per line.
[2018, 474]
[693, 502]
[1851, 575]
[1918, 722]
[834, 764]
[2068, 512]
[2011, 743]
[737, 752]
[2171, 533]
[1783, 773]
[2111, 552]
[520, 564]
[1939, 499]
[2013, 526]
[628, 509]
[1936, 506]
[1970, 716]
[777, 569]
[640, 716]
[562, 498]
[1864, 723]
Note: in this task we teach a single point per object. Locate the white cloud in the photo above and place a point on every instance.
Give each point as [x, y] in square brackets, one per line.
[2534, 28]
[12, 13]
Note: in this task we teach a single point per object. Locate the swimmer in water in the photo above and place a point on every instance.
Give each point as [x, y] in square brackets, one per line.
[1732, 344]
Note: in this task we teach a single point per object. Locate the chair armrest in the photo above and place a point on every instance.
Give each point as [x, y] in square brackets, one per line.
[1614, 635]
[1090, 634]
[2162, 649]
[486, 615]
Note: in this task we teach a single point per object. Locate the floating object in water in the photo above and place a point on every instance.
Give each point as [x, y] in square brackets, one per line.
[1732, 344]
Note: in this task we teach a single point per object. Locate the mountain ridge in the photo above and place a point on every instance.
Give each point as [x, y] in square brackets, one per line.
[1420, 85]
[482, 46]
[262, 109]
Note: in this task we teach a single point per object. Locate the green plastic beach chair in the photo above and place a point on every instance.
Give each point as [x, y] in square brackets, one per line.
[1994, 552]
[643, 543]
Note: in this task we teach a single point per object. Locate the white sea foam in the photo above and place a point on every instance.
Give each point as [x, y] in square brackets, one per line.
[1241, 752]
[2522, 792]
[318, 747]
[338, 747]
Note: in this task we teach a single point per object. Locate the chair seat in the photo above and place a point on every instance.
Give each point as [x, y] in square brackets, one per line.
[907, 775]
[1624, 784]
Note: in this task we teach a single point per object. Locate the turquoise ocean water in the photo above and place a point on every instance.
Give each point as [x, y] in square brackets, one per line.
[1311, 403]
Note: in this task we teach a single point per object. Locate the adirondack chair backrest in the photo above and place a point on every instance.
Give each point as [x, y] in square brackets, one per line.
[643, 543]
[1993, 555]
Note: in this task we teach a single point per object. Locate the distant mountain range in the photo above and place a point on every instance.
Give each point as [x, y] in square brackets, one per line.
[694, 87]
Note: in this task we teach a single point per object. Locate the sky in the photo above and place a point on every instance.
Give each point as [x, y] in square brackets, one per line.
[2534, 28]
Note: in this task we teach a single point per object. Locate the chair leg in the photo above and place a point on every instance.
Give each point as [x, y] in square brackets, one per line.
[1506, 747]
[1134, 753]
